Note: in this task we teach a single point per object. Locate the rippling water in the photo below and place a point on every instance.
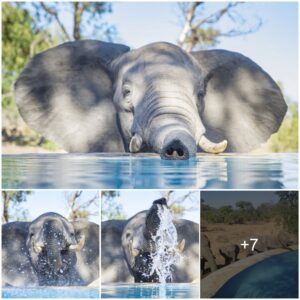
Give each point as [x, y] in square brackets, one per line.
[280, 281]
[231, 171]
[140, 290]
[54, 292]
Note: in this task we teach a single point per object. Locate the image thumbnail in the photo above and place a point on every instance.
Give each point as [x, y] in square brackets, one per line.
[197, 92]
[249, 244]
[150, 244]
[50, 244]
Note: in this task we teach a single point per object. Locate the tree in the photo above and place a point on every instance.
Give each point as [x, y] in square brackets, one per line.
[87, 19]
[200, 29]
[110, 208]
[20, 42]
[286, 139]
[287, 210]
[179, 205]
[79, 208]
[11, 205]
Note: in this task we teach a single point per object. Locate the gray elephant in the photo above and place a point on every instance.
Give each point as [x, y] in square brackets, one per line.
[229, 252]
[207, 255]
[92, 96]
[50, 251]
[127, 247]
[143, 239]
[266, 242]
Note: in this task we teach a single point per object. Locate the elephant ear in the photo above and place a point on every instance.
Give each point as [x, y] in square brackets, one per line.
[65, 93]
[241, 103]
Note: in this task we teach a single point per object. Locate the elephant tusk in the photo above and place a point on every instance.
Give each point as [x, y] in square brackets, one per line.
[211, 147]
[133, 251]
[181, 246]
[135, 143]
[79, 245]
[37, 248]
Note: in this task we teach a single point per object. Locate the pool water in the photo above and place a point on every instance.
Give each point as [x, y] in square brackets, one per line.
[142, 290]
[55, 292]
[227, 171]
[274, 277]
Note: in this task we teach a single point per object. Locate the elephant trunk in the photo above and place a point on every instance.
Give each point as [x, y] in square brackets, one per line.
[54, 256]
[169, 124]
[178, 145]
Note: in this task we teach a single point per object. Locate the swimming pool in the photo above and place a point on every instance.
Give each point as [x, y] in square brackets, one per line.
[53, 292]
[143, 290]
[226, 171]
[274, 277]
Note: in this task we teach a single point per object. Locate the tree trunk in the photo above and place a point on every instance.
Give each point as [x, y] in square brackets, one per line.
[77, 19]
[5, 207]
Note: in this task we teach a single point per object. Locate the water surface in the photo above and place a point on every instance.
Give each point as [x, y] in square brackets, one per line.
[143, 290]
[53, 292]
[274, 277]
[205, 171]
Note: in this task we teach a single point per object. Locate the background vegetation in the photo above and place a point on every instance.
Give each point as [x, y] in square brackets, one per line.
[29, 28]
[76, 206]
[284, 212]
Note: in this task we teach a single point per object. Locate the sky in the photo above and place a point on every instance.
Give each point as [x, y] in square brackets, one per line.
[42, 201]
[135, 201]
[221, 198]
[274, 47]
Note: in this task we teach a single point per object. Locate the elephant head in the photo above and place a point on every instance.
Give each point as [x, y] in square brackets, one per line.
[145, 242]
[229, 252]
[207, 255]
[91, 96]
[52, 244]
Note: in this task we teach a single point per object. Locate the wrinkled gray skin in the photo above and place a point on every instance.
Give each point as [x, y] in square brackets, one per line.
[117, 259]
[91, 96]
[229, 252]
[207, 255]
[40, 253]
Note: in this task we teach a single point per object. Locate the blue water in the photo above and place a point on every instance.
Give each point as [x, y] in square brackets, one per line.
[55, 292]
[274, 277]
[231, 171]
[142, 290]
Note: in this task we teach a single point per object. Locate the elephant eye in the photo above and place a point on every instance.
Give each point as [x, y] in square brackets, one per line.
[126, 91]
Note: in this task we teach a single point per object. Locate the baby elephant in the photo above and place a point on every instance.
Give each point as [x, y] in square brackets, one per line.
[229, 252]
[50, 251]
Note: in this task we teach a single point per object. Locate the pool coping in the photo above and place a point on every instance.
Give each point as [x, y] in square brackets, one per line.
[213, 282]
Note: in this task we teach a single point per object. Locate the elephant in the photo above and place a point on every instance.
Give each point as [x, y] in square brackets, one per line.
[50, 251]
[282, 239]
[127, 248]
[156, 238]
[229, 252]
[93, 96]
[207, 255]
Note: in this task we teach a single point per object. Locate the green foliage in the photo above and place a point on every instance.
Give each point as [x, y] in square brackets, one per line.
[12, 210]
[110, 208]
[287, 211]
[286, 139]
[20, 41]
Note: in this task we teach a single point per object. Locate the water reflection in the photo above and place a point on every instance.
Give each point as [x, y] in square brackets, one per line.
[50, 292]
[276, 171]
[175, 290]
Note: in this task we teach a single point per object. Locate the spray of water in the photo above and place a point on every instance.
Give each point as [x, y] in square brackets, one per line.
[166, 254]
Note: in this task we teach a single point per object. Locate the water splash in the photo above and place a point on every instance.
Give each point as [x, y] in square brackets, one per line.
[166, 254]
